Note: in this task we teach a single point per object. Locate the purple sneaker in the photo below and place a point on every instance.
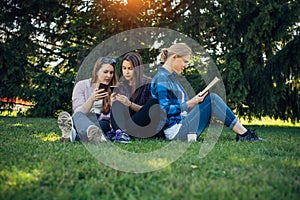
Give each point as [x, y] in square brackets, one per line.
[111, 135]
[122, 137]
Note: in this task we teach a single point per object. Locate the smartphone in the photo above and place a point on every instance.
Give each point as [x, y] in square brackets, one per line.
[103, 86]
[113, 87]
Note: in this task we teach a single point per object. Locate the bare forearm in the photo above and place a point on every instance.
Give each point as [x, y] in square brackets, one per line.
[196, 100]
[86, 107]
[134, 106]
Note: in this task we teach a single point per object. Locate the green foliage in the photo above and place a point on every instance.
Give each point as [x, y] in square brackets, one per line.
[51, 94]
[233, 74]
[46, 41]
[36, 165]
[41, 50]
[285, 75]
[243, 36]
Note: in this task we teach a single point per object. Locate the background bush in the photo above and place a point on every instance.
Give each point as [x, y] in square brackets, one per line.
[255, 45]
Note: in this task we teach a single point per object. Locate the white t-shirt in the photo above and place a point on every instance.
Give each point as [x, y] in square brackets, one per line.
[171, 132]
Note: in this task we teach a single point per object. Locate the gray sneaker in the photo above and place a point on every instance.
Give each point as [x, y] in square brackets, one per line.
[249, 136]
[65, 123]
[95, 134]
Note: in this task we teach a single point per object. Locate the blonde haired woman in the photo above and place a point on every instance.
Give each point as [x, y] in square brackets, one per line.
[184, 115]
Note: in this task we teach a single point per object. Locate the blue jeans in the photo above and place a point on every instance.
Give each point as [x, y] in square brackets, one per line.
[198, 118]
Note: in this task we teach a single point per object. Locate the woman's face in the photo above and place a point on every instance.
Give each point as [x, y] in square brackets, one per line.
[105, 73]
[180, 63]
[127, 70]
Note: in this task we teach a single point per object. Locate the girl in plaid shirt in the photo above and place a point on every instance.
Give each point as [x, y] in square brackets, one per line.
[182, 115]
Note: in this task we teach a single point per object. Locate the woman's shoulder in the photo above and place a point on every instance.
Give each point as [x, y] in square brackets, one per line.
[159, 76]
[146, 80]
[88, 80]
[85, 83]
[122, 84]
[123, 88]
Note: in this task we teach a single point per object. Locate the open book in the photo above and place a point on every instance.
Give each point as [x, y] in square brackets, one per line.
[209, 86]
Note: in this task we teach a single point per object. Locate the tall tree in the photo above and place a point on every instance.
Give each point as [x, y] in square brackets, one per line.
[40, 51]
[255, 44]
[242, 37]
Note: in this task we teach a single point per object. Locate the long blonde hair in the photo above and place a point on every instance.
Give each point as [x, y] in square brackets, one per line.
[179, 49]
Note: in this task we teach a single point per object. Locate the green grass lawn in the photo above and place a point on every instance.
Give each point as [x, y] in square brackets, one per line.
[34, 164]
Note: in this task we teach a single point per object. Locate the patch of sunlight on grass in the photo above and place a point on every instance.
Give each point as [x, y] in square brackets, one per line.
[235, 159]
[8, 113]
[158, 163]
[267, 121]
[52, 137]
[293, 163]
[20, 125]
[17, 177]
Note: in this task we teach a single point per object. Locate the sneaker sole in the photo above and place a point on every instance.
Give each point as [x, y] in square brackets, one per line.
[95, 135]
[245, 140]
[65, 124]
[123, 142]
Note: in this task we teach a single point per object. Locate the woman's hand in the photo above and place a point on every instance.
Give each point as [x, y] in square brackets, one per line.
[99, 94]
[196, 100]
[95, 96]
[123, 99]
[113, 97]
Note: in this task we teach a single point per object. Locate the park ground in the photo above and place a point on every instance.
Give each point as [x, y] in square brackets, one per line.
[35, 164]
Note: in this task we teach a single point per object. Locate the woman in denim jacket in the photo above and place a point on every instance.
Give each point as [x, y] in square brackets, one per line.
[181, 114]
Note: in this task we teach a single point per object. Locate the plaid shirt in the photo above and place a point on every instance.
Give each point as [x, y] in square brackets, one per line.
[171, 96]
[141, 95]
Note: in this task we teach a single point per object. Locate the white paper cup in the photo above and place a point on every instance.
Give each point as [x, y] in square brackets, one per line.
[191, 137]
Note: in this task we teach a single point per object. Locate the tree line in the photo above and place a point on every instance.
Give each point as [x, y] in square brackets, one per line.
[254, 43]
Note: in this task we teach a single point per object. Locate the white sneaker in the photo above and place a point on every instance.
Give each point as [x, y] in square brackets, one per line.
[65, 123]
[95, 134]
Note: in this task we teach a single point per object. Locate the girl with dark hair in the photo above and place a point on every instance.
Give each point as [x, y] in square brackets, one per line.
[132, 101]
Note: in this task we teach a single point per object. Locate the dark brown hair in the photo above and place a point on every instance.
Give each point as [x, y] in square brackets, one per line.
[136, 61]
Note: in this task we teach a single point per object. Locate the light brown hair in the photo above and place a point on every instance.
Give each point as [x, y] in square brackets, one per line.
[99, 63]
[179, 49]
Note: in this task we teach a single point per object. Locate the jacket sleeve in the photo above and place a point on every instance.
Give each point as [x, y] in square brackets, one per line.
[79, 97]
[166, 98]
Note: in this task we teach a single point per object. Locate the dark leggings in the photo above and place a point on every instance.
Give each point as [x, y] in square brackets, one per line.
[141, 124]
